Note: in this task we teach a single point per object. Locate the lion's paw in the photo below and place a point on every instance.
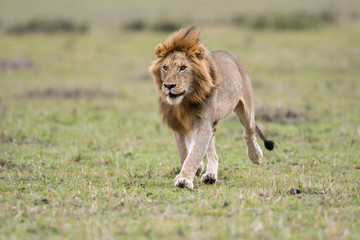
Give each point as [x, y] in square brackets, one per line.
[255, 154]
[182, 182]
[200, 169]
[209, 178]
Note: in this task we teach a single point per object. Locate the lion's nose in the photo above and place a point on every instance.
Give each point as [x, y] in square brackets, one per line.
[169, 86]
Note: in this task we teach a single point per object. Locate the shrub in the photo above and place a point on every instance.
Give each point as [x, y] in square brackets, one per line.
[260, 23]
[294, 21]
[330, 16]
[137, 25]
[46, 26]
[166, 26]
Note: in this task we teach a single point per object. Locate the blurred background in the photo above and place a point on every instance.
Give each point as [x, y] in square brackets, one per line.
[81, 138]
[300, 55]
[115, 13]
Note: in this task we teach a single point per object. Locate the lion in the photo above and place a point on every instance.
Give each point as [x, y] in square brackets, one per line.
[197, 88]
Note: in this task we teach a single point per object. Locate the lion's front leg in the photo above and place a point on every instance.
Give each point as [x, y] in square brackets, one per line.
[210, 176]
[194, 158]
[181, 146]
[184, 143]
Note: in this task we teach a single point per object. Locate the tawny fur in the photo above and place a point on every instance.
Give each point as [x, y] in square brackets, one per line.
[197, 88]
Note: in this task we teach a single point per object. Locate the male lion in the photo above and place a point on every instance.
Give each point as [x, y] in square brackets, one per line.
[197, 88]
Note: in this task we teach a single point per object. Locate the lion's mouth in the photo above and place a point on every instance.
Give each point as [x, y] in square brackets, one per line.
[172, 95]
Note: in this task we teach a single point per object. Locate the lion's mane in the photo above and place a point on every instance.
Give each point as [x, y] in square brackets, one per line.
[181, 117]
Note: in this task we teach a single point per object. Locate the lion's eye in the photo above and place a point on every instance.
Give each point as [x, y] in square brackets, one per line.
[182, 68]
[165, 68]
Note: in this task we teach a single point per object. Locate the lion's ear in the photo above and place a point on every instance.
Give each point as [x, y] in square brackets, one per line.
[160, 50]
[198, 51]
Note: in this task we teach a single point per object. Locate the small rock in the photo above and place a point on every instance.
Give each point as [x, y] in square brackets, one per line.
[295, 191]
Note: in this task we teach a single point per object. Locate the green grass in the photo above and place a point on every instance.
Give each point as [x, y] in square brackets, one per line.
[103, 168]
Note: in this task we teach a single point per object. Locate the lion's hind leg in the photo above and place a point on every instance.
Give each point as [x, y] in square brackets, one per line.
[246, 116]
[210, 176]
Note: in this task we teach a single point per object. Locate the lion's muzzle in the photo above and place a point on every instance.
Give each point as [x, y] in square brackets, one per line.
[172, 95]
[174, 98]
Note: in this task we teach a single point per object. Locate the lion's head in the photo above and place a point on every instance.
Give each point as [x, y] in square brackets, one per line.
[184, 76]
[177, 76]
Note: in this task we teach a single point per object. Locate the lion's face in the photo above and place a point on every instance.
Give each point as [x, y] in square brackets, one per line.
[177, 77]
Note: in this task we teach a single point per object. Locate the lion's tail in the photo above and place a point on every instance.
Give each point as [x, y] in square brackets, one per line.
[269, 144]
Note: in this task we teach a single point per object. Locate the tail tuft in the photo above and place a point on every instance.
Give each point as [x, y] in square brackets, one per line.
[269, 144]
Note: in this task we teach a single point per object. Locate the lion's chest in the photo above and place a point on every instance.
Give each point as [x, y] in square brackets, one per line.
[182, 117]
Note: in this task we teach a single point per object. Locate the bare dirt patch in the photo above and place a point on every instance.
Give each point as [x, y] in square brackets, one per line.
[15, 64]
[279, 115]
[69, 93]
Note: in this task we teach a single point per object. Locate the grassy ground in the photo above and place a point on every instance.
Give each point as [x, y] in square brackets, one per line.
[83, 152]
